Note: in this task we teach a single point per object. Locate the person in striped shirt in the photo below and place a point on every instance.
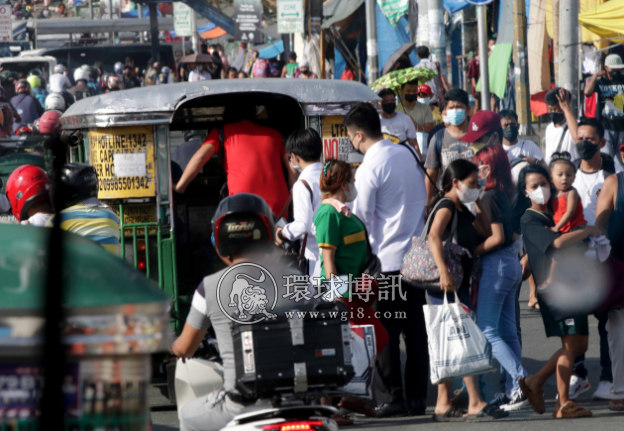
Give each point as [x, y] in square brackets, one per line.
[82, 213]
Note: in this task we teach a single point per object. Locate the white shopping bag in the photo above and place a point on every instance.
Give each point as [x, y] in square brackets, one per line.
[363, 351]
[457, 347]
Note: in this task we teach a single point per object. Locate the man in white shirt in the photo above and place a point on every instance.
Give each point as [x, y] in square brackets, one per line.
[519, 151]
[561, 132]
[436, 83]
[305, 148]
[199, 74]
[396, 126]
[58, 81]
[391, 202]
[593, 169]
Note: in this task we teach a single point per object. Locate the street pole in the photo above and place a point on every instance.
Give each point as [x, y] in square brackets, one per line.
[371, 41]
[323, 54]
[154, 31]
[110, 9]
[194, 37]
[569, 39]
[483, 58]
[521, 64]
[555, 38]
[141, 35]
[437, 32]
[91, 8]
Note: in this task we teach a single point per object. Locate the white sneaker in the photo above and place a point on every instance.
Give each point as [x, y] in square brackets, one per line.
[578, 386]
[517, 402]
[604, 391]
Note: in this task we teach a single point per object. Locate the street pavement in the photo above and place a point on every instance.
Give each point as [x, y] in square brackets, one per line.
[536, 351]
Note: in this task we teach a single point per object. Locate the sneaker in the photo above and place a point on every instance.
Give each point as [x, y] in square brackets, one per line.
[604, 391]
[578, 386]
[518, 401]
[500, 399]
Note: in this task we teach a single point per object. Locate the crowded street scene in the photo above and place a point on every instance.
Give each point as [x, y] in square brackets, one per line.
[311, 215]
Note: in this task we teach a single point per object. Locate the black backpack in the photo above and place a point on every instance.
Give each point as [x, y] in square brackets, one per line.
[608, 164]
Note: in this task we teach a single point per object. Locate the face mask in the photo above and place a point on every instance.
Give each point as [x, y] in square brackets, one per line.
[586, 149]
[556, 117]
[351, 194]
[466, 194]
[510, 133]
[615, 74]
[455, 116]
[388, 108]
[411, 97]
[540, 196]
[425, 101]
[295, 167]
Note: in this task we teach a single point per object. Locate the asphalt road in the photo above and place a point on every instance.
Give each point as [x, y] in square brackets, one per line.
[536, 351]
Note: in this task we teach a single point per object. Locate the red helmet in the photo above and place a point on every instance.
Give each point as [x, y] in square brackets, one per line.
[22, 86]
[27, 185]
[425, 89]
[24, 130]
[49, 123]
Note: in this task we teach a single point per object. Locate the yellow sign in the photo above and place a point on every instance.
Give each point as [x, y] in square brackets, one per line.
[123, 158]
[134, 214]
[336, 143]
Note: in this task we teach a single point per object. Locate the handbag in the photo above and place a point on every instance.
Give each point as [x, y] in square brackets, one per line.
[419, 268]
[457, 347]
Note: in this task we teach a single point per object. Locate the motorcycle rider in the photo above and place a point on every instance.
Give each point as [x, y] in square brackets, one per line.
[130, 81]
[234, 246]
[27, 106]
[81, 211]
[55, 102]
[38, 89]
[28, 191]
[9, 114]
[58, 81]
[81, 90]
[93, 76]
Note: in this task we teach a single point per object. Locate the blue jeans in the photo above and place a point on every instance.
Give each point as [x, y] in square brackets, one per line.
[501, 277]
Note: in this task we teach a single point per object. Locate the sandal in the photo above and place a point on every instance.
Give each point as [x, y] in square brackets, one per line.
[487, 414]
[453, 414]
[342, 420]
[535, 307]
[460, 399]
[358, 405]
[535, 399]
[617, 405]
[572, 410]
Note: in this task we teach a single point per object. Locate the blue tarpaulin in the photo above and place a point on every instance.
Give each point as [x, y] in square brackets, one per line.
[135, 13]
[390, 39]
[455, 5]
[272, 51]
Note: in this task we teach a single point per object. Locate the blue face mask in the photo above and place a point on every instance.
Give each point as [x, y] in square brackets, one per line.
[455, 116]
[296, 168]
[425, 101]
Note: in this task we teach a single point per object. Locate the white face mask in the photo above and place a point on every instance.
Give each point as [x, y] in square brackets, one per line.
[466, 194]
[351, 194]
[540, 196]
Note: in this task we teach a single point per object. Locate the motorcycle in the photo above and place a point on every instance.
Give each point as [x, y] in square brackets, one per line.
[199, 376]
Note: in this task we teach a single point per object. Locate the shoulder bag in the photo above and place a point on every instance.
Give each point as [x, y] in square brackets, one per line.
[373, 264]
[419, 267]
[301, 261]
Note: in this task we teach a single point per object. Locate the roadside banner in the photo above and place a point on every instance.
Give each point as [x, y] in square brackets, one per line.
[6, 23]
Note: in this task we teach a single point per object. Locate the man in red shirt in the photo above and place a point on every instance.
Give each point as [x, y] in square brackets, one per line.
[253, 158]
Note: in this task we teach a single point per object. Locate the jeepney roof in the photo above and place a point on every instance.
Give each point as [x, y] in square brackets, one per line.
[156, 104]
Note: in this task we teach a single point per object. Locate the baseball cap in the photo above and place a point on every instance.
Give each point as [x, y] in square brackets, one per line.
[614, 61]
[481, 123]
[425, 89]
[304, 63]
[622, 147]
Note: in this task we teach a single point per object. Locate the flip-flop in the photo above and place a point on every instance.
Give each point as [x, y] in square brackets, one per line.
[572, 410]
[487, 414]
[617, 405]
[535, 399]
[460, 399]
[453, 414]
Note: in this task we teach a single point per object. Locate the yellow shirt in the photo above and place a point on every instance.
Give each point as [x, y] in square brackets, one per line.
[437, 118]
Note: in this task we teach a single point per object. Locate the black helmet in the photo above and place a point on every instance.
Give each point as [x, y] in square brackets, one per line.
[242, 221]
[190, 134]
[78, 182]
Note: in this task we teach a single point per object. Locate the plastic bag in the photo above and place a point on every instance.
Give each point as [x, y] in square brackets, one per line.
[457, 347]
[363, 351]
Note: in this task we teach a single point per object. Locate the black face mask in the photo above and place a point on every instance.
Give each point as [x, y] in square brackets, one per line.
[388, 108]
[556, 117]
[411, 97]
[510, 133]
[586, 149]
[615, 74]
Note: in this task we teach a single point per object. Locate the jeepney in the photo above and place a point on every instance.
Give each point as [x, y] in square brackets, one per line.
[129, 137]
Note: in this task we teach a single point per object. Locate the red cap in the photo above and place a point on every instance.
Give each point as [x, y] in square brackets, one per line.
[425, 89]
[622, 147]
[481, 123]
